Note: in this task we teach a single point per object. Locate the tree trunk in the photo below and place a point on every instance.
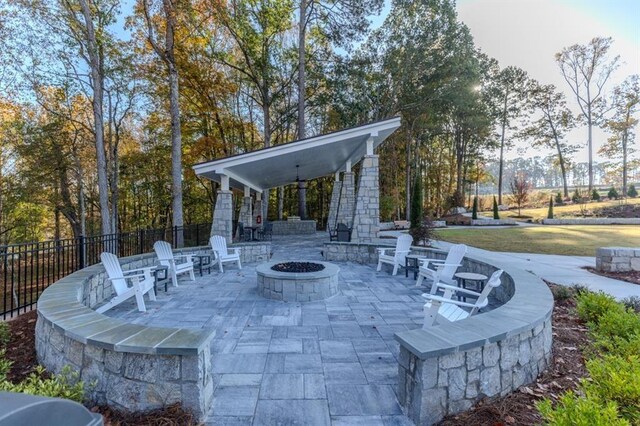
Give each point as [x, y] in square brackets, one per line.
[408, 178]
[176, 153]
[301, 68]
[501, 165]
[267, 143]
[98, 92]
[280, 202]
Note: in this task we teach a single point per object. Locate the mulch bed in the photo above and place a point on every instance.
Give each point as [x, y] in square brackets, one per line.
[518, 408]
[632, 277]
[624, 210]
[21, 352]
[456, 219]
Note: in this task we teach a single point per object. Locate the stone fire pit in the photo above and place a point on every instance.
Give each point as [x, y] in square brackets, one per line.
[297, 286]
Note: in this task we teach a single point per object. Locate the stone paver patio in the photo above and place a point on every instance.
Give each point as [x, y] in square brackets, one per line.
[328, 362]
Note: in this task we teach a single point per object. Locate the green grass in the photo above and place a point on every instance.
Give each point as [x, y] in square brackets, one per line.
[566, 240]
[572, 210]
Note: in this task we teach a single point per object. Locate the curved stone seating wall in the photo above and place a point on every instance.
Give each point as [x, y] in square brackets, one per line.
[133, 367]
[448, 368]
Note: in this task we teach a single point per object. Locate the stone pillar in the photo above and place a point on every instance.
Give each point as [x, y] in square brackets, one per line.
[257, 209]
[302, 199]
[366, 217]
[347, 199]
[223, 215]
[245, 216]
[335, 201]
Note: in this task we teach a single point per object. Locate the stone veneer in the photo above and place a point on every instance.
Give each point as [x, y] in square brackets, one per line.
[334, 205]
[222, 216]
[492, 222]
[347, 202]
[294, 227]
[594, 221]
[447, 368]
[126, 366]
[297, 287]
[366, 216]
[618, 259]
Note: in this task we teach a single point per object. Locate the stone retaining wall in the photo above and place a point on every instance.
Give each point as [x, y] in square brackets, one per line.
[134, 368]
[294, 227]
[492, 222]
[593, 221]
[447, 368]
[618, 259]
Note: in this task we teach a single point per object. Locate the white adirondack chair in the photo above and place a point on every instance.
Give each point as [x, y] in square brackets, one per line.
[223, 255]
[141, 282]
[397, 259]
[443, 269]
[441, 309]
[166, 258]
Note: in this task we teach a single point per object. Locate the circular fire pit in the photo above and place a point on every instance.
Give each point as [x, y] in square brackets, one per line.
[317, 281]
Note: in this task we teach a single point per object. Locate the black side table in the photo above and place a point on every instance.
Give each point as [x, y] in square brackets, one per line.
[204, 262]
[161, 276]
[412, 263]
[464, 278]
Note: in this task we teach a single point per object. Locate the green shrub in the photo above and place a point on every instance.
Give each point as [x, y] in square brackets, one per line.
[572, 410]
[64, 385]
[613, 194]
[550, 212]
[559, 199]
[616, 378]
[4, 335]
[474, 214]
[562, 293]
[595, 195]
[496, 213]
[576, 197]
[631, 192]
[416, 212]
[617, 323]
[592, 306]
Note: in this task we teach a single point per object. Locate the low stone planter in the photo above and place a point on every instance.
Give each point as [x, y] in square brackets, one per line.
[618, 259]
[297, 287]
[593, 221]
[492, 222]
[294, 227]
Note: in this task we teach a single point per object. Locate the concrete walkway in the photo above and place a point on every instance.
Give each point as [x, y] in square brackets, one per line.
[564, 270]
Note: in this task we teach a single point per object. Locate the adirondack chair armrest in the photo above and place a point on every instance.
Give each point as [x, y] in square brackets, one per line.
[445, 300]
[235, 250]
[187, 257]
[139, 271]
[458, 289]
[382, 250]
[444, 265]
[426, 262]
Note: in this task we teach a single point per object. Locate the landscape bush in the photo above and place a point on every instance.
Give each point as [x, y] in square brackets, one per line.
[496, 213]
[612, 194]
[474, 214]
[632, 192]
[610, 395]
[632, 302]
[550, 212]
[559, 199]
[576, 197]
[595, 195]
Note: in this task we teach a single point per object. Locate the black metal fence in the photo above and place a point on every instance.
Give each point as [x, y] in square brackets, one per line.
[27, 269]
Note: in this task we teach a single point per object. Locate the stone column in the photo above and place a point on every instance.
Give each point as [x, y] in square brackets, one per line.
[347, 199]
[335, 201]
[366, 218]
[223, 215]
[257, 209]
[302, 199]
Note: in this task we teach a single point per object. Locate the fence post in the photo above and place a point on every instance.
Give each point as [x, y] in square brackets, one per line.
[140, 241]
[197, 234]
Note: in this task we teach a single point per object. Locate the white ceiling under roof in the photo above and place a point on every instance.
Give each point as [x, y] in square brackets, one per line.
[316, 156]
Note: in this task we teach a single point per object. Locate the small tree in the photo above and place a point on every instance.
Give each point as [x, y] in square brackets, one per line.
[496, 214]
[559, 200]
[576, 197]
[595, 195]
[520, 190]
[416, 203]
[550, 213]
[613, 194]
[474, 214]
[632, 191]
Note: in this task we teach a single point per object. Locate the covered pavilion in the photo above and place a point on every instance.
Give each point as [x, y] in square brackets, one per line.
[298, 161]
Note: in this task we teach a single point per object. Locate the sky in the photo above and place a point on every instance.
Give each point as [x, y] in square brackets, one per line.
[528, 33]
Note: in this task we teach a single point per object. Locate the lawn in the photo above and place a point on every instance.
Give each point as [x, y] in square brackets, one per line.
[571, 210]
[567, 240]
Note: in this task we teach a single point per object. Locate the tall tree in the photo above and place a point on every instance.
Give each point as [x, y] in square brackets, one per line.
[552, 126]
[586, 69]
[166, 52]
[626, 101]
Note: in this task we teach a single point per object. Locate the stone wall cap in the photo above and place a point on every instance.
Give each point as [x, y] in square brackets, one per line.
[329, 270]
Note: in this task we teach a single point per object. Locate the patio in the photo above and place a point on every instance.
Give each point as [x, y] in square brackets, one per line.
[328, 362]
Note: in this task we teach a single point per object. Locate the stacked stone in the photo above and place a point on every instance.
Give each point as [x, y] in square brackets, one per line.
[618, 259]
[294, 227]
[300, 291]
[594, 221]
[366, 217]
[334, 205]
[222, 216]
[347, 199]
[433, 387]
[245, 216]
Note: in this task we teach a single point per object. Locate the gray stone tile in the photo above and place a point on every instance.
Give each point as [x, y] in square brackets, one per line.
[357, 421]
[337, 351]
[230, 420]
[347, 372]
[314, 386]
[346, 330]
[275, 363]
[285, 346]
[397, 421]
[240, 380]
[303, 363]
[282, 386]
[235, 401]
[239, 363]
[313, 412]
[362, 400]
